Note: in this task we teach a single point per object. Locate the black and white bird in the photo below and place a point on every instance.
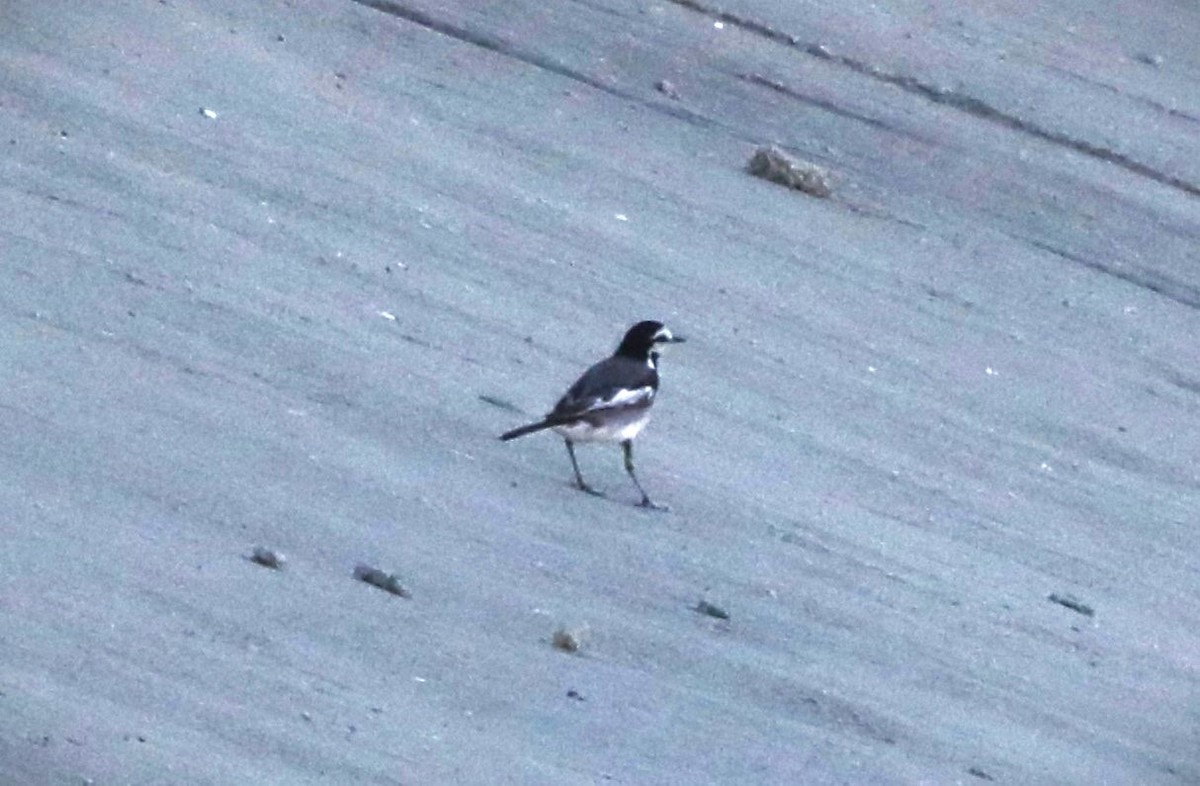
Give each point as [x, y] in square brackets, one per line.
[611, 401]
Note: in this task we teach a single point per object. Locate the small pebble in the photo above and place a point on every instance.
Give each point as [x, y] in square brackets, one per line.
[1072, 603]
[771, 163]
[567, 640]
[704, 607]
[389, 582]
[268, 558]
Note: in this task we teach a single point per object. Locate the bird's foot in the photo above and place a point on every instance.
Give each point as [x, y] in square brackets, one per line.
[648, 505]
[585, 488]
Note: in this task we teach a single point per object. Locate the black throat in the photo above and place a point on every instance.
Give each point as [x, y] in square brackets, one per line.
[637, 351]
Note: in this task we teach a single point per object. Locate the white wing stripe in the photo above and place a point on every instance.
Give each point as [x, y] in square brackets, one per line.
[623, 398]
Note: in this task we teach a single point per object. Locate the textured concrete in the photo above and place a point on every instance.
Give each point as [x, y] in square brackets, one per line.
[278, 274]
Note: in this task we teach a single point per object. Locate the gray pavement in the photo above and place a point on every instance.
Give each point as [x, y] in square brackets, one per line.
[279, 273]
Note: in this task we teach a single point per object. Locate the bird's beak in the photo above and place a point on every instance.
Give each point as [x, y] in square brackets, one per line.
[676, 340]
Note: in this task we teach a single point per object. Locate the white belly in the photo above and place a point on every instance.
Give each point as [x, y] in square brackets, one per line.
[615, 429]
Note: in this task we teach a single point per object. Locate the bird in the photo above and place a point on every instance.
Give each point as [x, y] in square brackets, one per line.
[610, 402]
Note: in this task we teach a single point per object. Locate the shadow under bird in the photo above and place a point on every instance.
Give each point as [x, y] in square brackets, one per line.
[611, 401]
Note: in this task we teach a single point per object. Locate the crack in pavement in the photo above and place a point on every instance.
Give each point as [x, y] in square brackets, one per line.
[1174, 290]
[1150, 103]
[976, 107]
[821, 103]
[508, 49]
[1158, 283]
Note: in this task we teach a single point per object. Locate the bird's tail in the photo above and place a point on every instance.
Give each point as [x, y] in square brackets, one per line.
[523, 430]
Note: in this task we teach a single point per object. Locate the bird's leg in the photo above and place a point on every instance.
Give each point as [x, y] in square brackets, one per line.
[627, 449]
[578, 475]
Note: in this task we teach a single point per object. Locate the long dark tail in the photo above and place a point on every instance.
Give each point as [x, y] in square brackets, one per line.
[523, 430]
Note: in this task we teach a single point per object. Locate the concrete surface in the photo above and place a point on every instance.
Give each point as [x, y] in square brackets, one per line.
[278, 273]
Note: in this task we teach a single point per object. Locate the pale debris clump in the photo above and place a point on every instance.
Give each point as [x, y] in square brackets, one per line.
[569, 640]
[771, 163]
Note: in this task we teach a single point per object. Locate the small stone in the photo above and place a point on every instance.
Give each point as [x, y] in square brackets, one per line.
[1072, 603]
[388, 582]
[268, 558]
[771, 163]
[567, 640]
[704, 607]
[667, 88]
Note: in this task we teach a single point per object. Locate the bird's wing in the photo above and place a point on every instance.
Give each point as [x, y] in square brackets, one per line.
[598, 389]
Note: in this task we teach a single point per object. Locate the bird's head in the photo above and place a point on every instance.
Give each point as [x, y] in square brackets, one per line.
[646, 339]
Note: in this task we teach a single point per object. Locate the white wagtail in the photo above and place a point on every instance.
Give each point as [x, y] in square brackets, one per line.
[611, 401]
